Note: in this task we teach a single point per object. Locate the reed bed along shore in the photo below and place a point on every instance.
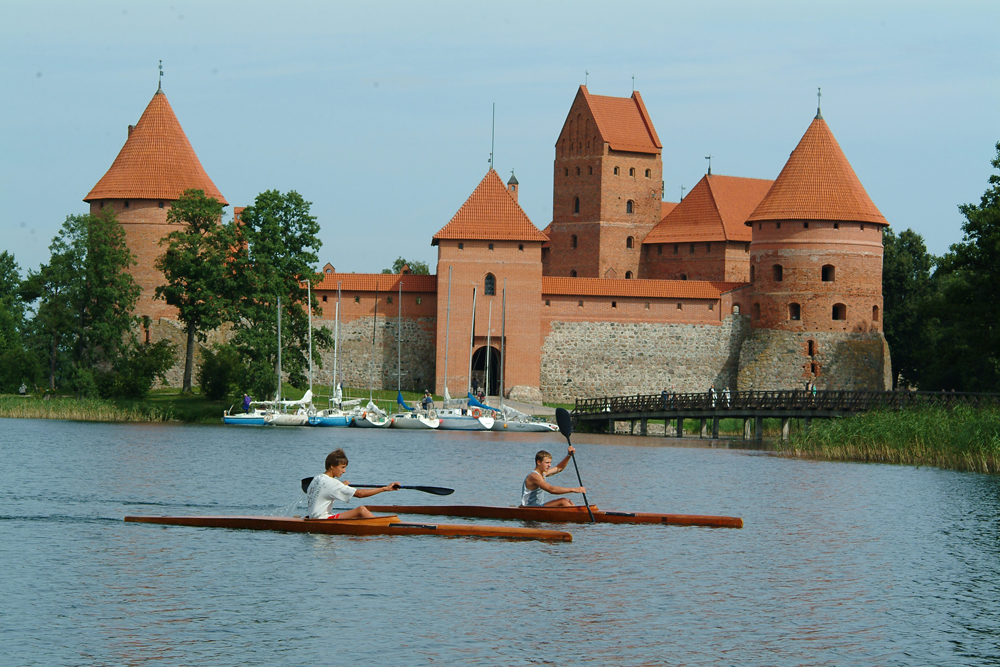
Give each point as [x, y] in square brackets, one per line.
[85, 409]
[960, 438]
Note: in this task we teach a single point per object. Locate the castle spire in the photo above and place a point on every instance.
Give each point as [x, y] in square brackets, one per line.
[819, 95]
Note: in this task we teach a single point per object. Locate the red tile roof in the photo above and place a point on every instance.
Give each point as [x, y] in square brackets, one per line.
[490, 214]
[384, 282]
[817, 183]
[156, 162]
[623, 122]
[669, 289]
[715, 210]
[665, 208]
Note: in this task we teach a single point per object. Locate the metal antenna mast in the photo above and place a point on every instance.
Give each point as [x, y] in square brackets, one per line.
[709, 158]
[493, 133]
[159, 87]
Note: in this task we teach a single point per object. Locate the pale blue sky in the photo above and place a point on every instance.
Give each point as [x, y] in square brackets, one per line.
[379, 113]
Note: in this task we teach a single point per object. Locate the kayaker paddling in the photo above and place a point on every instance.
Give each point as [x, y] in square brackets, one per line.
[327, 488]
[535, 486]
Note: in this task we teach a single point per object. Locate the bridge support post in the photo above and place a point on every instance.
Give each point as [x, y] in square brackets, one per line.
[758, 428]
[704, 428]
[746, 427]
[809, 422]
[715, 427]
[631, 428]
[666, 428]
[784, 428]
[611, 426]
[642, 426]
[680, 427]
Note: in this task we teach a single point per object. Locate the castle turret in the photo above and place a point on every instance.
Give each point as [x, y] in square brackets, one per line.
[154, 167]
[816, 274]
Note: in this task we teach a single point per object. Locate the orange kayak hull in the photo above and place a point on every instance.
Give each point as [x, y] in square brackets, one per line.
[577, 514]
[382, 525]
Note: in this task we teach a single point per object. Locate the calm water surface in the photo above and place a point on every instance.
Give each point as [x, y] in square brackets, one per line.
[838, 564]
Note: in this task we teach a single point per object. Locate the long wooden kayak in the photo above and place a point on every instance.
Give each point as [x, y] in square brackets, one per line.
[381, 525]
[577, 514]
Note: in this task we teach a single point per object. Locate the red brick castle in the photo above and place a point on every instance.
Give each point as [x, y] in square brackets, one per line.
[745, 283]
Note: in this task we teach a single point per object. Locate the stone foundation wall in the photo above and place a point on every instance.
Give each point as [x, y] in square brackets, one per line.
[780, 360]
[592, 359]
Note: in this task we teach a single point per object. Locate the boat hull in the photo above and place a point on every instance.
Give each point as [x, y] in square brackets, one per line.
[576, 514]
[524, 427]
[340, 421]
[282, 419]
[459, 422]
[383, 525]
[416, 422]
[243, 420]
[370, 421]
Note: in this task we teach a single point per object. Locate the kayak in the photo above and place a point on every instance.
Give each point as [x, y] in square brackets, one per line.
[577, 514]
[381, 525]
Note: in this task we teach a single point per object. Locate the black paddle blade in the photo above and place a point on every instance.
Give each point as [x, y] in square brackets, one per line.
[565, 422]
[306, 481]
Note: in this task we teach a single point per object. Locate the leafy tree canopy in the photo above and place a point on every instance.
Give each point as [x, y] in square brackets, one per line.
[906, 283]
[416, 268]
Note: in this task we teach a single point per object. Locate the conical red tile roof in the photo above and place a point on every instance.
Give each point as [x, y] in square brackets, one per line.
[156, 162]
[490, 213]
[817, 183]
[715, 210]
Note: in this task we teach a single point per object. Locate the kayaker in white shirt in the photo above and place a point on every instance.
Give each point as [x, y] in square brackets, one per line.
[534, 486]
[327, 488]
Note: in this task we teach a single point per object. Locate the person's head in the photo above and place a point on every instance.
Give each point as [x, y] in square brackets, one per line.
[336, 461]
[544, 458]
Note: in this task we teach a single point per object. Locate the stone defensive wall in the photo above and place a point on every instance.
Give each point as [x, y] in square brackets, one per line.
[615, 337]
[774, 360]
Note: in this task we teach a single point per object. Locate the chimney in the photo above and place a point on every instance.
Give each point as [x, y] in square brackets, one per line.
[512, 185]
[130, 128]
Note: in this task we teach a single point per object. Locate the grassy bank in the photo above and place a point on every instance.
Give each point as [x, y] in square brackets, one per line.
[87, 409]
[961, 438]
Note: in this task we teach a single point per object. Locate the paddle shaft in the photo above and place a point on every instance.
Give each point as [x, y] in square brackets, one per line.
[436, 490]
[577, 468]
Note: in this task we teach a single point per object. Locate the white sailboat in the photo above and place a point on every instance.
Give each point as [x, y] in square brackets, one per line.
[467, 417]
[278, 414]
[334, 415]
[409, 418]
[371, 416]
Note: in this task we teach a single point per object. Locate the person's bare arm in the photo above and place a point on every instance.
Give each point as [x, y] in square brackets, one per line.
[556, 469]
[540, 483]
[365, 493]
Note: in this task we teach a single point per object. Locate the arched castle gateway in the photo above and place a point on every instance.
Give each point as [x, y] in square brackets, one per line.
[746, 283]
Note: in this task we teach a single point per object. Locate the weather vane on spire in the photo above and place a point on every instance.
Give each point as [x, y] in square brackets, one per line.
[160, 85]
[633, 83]
[709, 158]
[586, 76]
[819, 96]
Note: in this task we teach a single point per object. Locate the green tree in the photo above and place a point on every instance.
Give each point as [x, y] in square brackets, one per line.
[17, 364]
[906, 285]
[196, 269]
[275, 255]
[416, 268]
[86, 299]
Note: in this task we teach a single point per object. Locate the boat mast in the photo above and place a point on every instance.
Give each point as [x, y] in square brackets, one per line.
[503, 338]
[371, 374]
[279, 349]
[399, 338]
[310, 309]
[447, 329]
[489, 349]
[336, 346]
[472, 339]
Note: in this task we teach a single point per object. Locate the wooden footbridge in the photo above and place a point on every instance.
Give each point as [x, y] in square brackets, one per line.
[753, 407]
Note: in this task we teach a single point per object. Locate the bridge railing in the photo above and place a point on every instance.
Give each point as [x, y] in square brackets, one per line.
[833, 401]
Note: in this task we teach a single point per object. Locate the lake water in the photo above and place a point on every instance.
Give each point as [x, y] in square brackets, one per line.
[838, 564]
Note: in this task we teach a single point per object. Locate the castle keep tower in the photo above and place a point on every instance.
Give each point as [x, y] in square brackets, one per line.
[816, 274]
[154, 167]
[608, 181]
[488, 244]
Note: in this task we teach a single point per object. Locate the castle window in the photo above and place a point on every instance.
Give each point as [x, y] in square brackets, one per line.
[836, 225]
[324, 298]
[684, 276]
[647, 305]
[631, 171]
[388, 299]
[814, 369]
[491, 246]
[548, 302]
[862, 226]
[616, 171]
[659, 249]
[746, 248]
[829, 273]
[736, 309]
[126, 203]
[161, 204]
[572, 273]
[755, 314]
[577, 171]
[812, 348]
[566, 171]
[629, 206]
[779, 272]
[677, 248]
[692, 248]
[520, 246]
[874, 313]
[357, 299]
[628, 275]
[572, 241]
[590, 171]
[805, 225]
[614, 304]
[777, 225]
[629, 242]
[461, 246]
[490, 286]
[760, 225]
[711, 306]
[580, 303]
[794, 311]
[648, 173]
[839, 311]
[576, 205]
[102, 206]
[752, 272]
[680, 306]
[418, 300]
[708, 248]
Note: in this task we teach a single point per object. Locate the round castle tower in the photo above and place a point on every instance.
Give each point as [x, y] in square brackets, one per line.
[816, 277]
[154, 167]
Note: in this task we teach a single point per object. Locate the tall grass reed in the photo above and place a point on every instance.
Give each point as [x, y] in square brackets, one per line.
[86, 409]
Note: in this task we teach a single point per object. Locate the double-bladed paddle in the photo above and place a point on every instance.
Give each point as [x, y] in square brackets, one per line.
[566, 428]
[436, 490]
